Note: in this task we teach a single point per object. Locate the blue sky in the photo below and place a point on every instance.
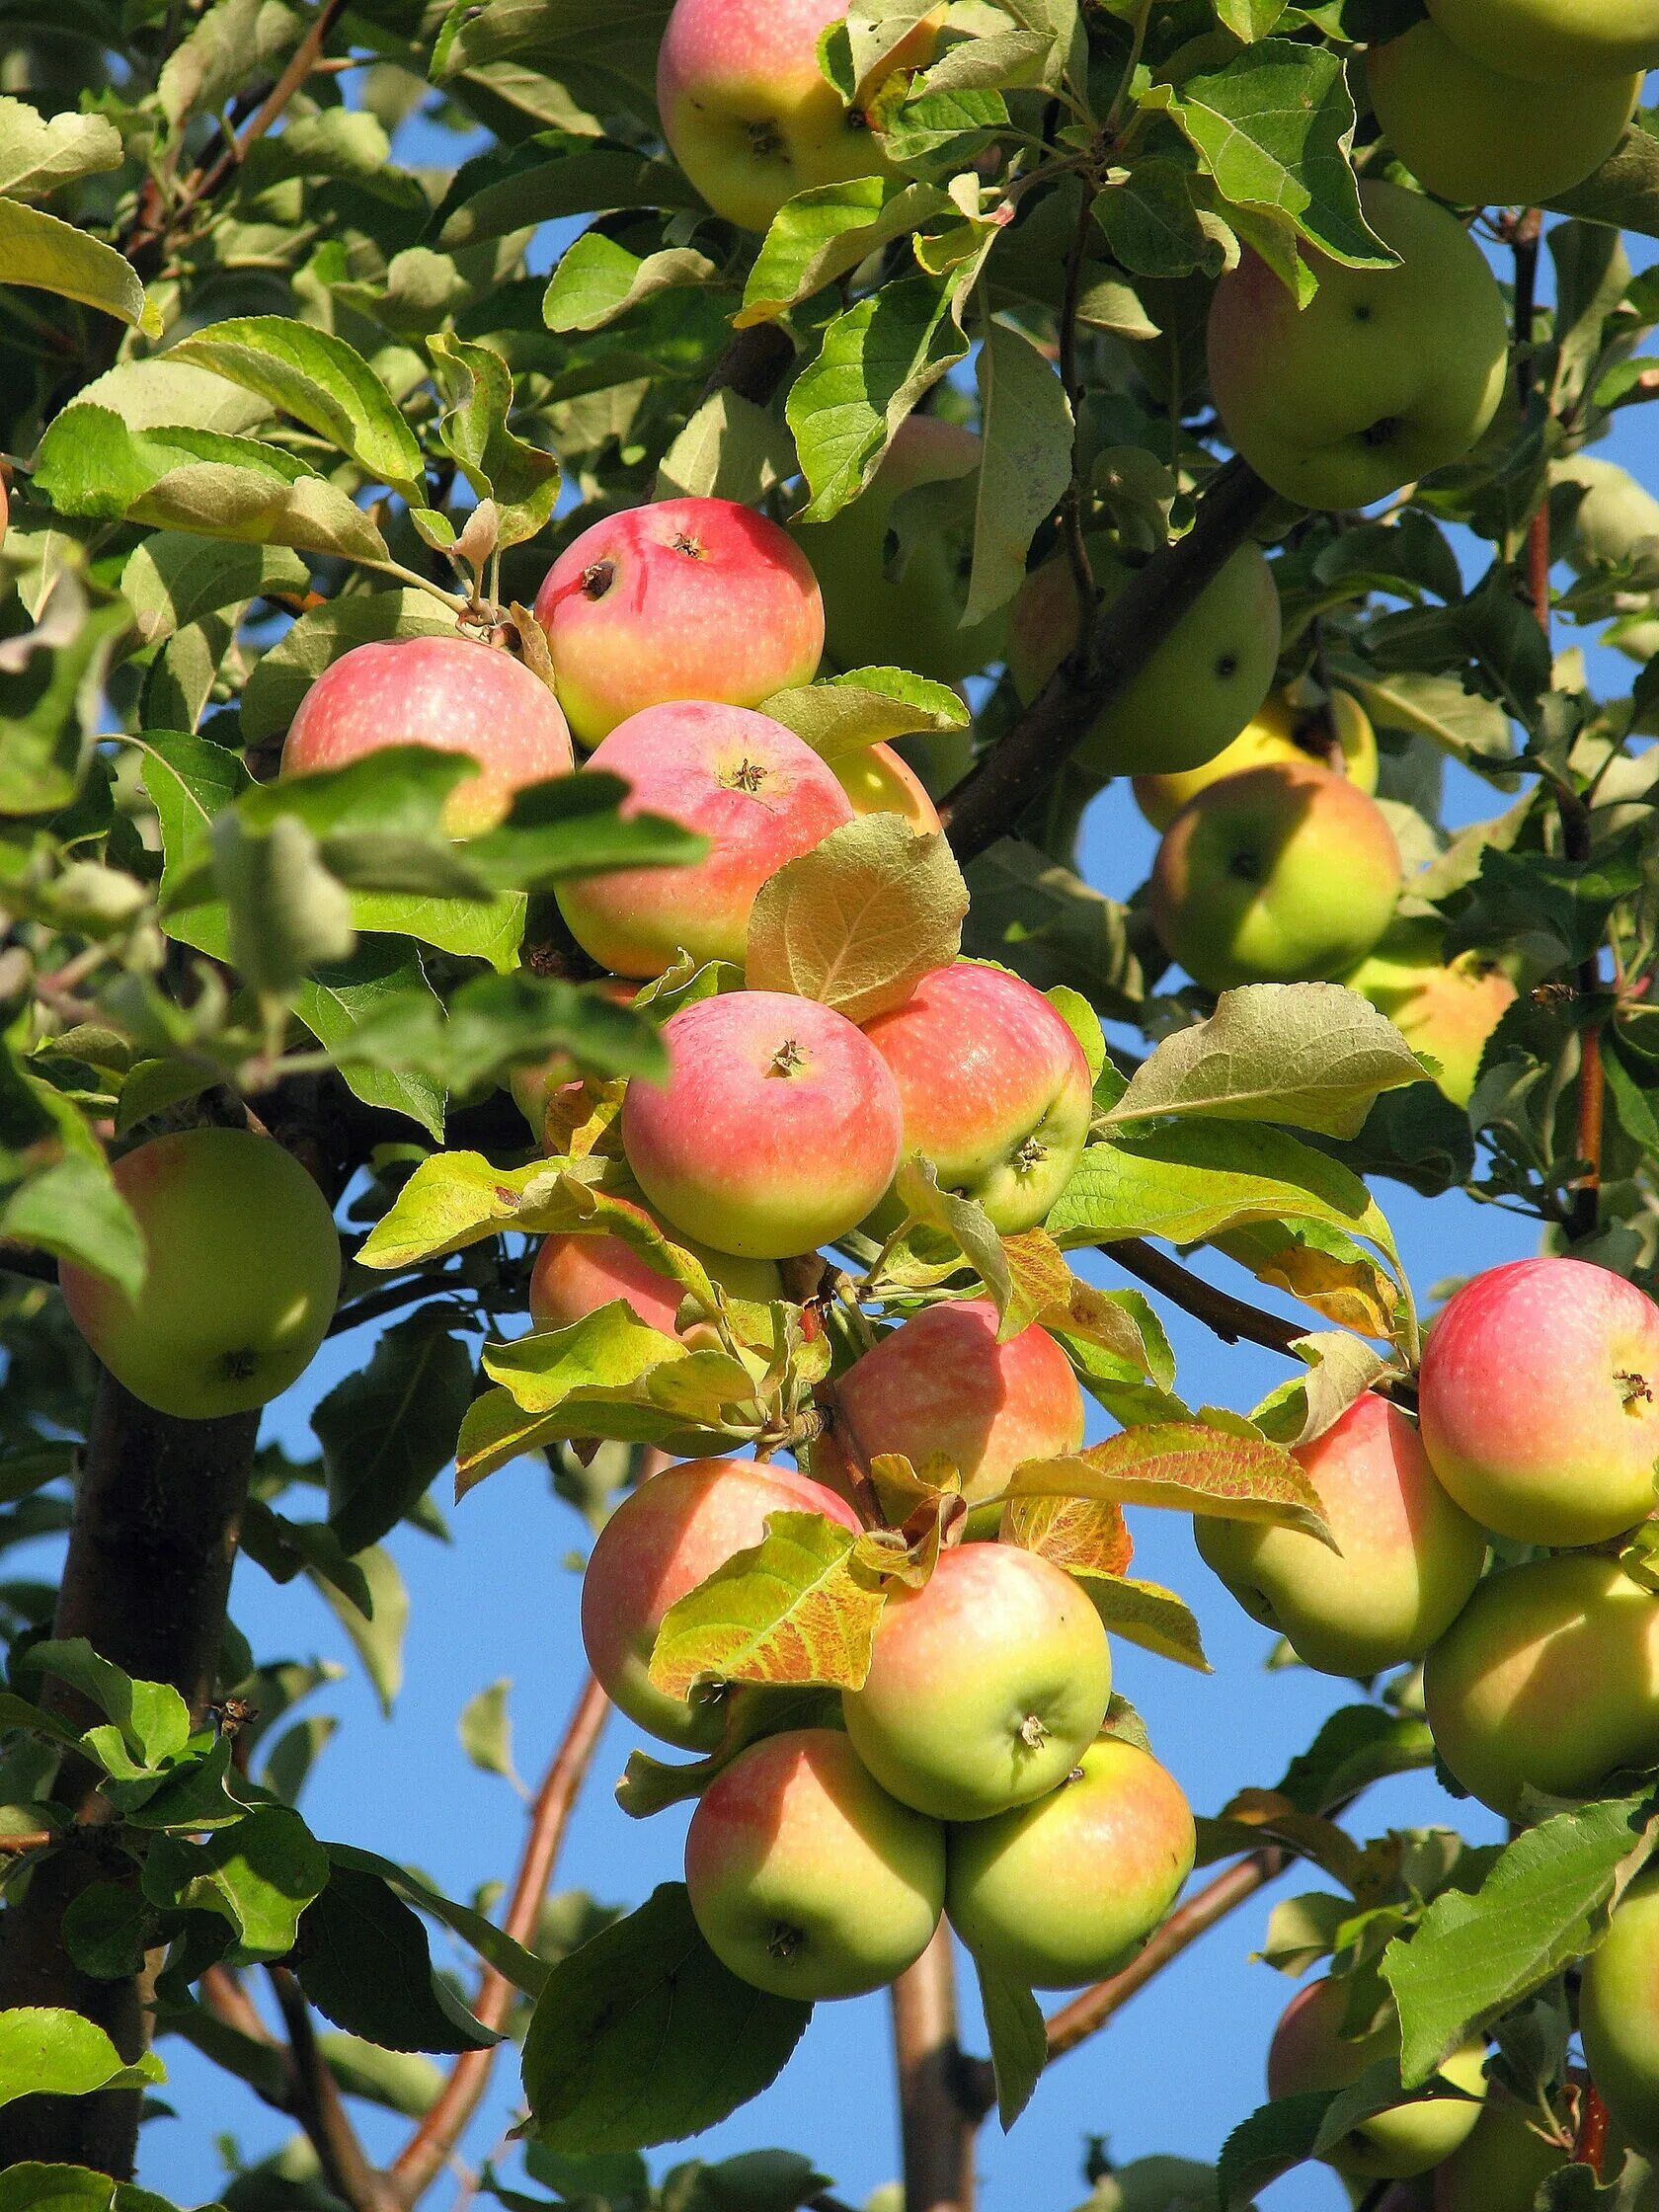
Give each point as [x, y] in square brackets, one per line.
[1178, 2068]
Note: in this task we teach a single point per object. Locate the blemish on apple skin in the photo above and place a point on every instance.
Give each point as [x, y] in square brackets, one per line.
[597, 579]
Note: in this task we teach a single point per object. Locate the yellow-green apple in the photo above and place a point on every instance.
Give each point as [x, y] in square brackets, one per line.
[778, 1130]
[666, 1536]
[243, 1274]
[1502, 2166]
[913, 621]
[1482, 139]
[1554, 42]
[995, 1087]
[1548, 1681]
[575, 1273]
[985, 1686]
[452, 694]
[1068, 1890]
[879, 780]
[1445, 1008]
[691, 599]
[1618, 2013]
[1539, 1402]
[1615, 520]
[759, 794]
[1407, 1562]
[1310, 2052]
[1284, 874]
[748, 114]
[806, 1877]
[1385, 375]
[1339, 737]
[941, 1383]
[1198, 691]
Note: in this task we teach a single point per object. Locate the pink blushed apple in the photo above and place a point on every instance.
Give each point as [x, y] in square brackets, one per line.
[454, 694]
[746, 111]
[1310, 2052]
[691, 599]
[1539, 1402]
[757, 793]
[995, 1088]
[575, 1273]
[777, 1129]
[941, 1383]
[663, 1540]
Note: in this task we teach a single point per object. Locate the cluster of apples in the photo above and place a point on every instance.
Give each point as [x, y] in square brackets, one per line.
[1538, 1424]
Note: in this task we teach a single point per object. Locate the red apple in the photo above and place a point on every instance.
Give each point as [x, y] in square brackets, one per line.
[985, 1686]
[1068, 1890]
[452, 694]
[804, 1876]
[662, 1539]
[1311, 2052]
[995, 1089]
[879, 780]
[575, 1273]
[776, 1131]
[748, 114]
[756, 791]
[941, 1383]
[1539, 1402]
[687, 599]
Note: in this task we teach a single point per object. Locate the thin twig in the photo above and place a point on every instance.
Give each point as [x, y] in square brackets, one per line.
[321, 2109]
[1590, 2147]
[388, 1299]
[1227, 1317]
[432, 2146]
[987, 802]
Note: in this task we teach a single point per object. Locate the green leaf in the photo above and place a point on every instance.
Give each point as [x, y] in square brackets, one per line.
[962, 1221]
[729, 449]
[486, 1730]
[172, 579]
[228, 45]
[643, 2036]
[1312, 1054]
[1019, 2039]
[608, 1349]
[451, 1201]
[650, 1785]
[152, 1718]
[287, 915]
[1189, 1467]
[492, 1944]
[1044, 922]
[49, 255]
[1147, 1615]
[550, 176]
[45, 2050]
[1624, 193]
[72, 1209]
[319, 380]
[1275, 127]
[1026, 464]
[389, 1430]
[1152, 225]
[259, 1875]
[90, 462]
[378, 1635]
[521, 479]
[37, 155]
[1269, 2142]
[864, 707]
[1542, 1905]
[794, 1609]
[824, 231]
[365, 1964]
[1355, 1746]
[858, 921]
[494, 1023]
[382, 972]
[597, 280]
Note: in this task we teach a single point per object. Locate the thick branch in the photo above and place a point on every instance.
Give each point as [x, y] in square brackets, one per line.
[1127, 633]
[145, 1580]
[429, 2149]
[1227, 1317]
[937, 2116]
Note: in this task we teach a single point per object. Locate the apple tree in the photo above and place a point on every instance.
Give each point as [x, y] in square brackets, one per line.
[572, 574]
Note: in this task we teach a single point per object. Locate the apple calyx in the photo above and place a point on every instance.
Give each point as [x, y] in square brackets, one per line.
[1029, 1154]
[1383, 431]
[784, 1941]
[1033, 1732]
[1635, 1389]
[747, 775]
[683, 542]
[787, 1059]
[239, 1366]
[764, 138]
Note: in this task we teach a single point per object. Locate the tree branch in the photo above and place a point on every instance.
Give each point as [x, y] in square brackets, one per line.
[321, 2110]
[987, 804]
[429, 2149]
[1229, 1318]
[937, 2113]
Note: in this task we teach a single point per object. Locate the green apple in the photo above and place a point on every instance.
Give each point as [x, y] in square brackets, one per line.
[985, 1686]
[1503, 2164]
[914, 621]
[1615, 522]
[1338, 736]
[1548, 1681]
[1447, 1009]
[1555, 42]
[1285, 874]
[806, 1878]
[1408, 1557]
[1068, 1890]
[1310, 2052]
[242, 1276]
[1484, 140]
[1198, 691]
[1618, 2013]
[1387, 373]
